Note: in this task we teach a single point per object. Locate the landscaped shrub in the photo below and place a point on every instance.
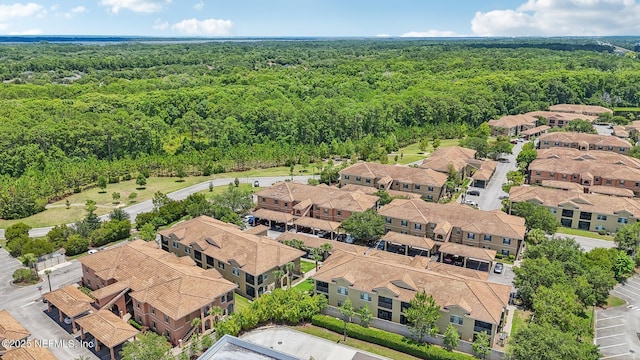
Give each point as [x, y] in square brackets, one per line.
[387, 339]
[135, 324]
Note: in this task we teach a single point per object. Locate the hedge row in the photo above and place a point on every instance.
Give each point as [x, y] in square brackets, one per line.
[387, 339]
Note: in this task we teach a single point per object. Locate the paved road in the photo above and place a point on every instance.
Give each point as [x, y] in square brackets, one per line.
[588, 243]
[147, 206]
[617, 328]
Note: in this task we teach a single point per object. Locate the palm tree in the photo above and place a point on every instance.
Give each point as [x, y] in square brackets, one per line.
[29, 260]
[316, 253]
[278, 274]
[48, 273]
[196, 323]
[326, 248]
[216, 312]
[290, 267]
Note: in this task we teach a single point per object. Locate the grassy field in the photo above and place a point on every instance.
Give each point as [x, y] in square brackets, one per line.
[306, 285]
[411, 153]
[358, 344]
[578, 232]
[57, 213]
[241, 302]
[519, 321]
[305, 265]
[614, 301]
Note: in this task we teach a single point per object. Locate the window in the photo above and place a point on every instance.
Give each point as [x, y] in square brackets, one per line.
[455, 319]
[251, 292]
[365, 296]
[403, 320]
[538, 173]
[260, 279]
[567, 213]
[552, 174]
[504, 252]
[585, 215]
[608, 181]
[264, 199]
[343, 290]
[506, 241]
[221, 265]
[166, 319]
[388, 220]
[553, 210]
[248, 278]
[275, 202]
[197, 255]
[404, 222]
[471, 236]
[621, 182]
[564, 176]
[153, 325]
[417, 226]
[175, 244]
[346, 177]
[429, 197]
[417, 187]
[286, 204]
[187, 249]
[326, 211]
[235, 271]
[487, 238]
[153, 310]
[623, 220]
[385, 302]
[138, 304]
[339, 212]
[404, 306]
[322, 286]
[209, 260]
[600, 227]
[368, 181]
[429, 188]
[265, 276]
[358, 178]
[621, 149]
[602, 217]
[405, 186]
[223, 299]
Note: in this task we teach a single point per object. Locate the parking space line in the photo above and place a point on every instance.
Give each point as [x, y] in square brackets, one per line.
[631, 286]
[627, 290]
[613, 317]
[609, 336]
[612, 356]
[608, 327]
[623, 295]
[604, 347]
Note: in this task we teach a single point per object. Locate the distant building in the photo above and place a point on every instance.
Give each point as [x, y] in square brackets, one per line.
[592, 110]
[531, 123]
[582, 141]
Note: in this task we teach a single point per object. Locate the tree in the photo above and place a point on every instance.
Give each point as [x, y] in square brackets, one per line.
[25, 276]
[423, 144]
[290, 266]
[480, 145]
[235, 198]
[147, 346]
[482, 344]
[559, 307]
[316, 254]
[346, 309]
[622, 268]
[148, 232]
[16, 231]
[535, 236]
[436, 144]
[526, 156]
[535, 216]
[533, 273]
[501, 147]
[514, 178]
[48, 273]
[132, 197]
[365, 227]
[196, 323]
[67, 204]
[159, 200]
[30, 260]
[115, 197]
[118, 214]
[422, 315]
[384, 196]
[236, 182]
[544, 342]
[141, 181]
[102, 183]
[627, 238]
[216, 312]
[451, 338]
[210, 186]
[365, 315]
[278, 275]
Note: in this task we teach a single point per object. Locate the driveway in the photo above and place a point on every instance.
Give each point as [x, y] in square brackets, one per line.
[304, 346]
[588, 243]
[616, 329]
[505, 278]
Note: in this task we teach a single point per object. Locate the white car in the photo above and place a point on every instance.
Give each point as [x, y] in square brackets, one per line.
[92, 251]
[67, 320]
[471, 203]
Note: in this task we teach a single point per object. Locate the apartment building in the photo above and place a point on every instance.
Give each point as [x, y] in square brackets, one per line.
[11, 331]
[428, 183]
[387, 287]
[246, 260]
[160, 290]
[596, 167]
[514, 125]
[584, 142]
[455, 157]
[319, 202]
[591, 110]
[572, 209]
[455, 223]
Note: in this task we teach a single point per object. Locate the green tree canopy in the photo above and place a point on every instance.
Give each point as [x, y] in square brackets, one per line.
[147, 346]
[422, 315]
[544, 342]
[535, 216]
[365, 226]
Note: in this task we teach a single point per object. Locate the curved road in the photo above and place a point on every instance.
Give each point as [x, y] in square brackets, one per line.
[147, 206]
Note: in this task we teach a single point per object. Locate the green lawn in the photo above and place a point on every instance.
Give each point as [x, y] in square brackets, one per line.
[519, 321]
[614, 301]
[306, 285]
[578, 232]
[411, 153]
[305, 265]
[358, 344]
[220, 189]
[241, 302]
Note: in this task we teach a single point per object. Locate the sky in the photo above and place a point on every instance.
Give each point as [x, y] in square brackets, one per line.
[332, 18]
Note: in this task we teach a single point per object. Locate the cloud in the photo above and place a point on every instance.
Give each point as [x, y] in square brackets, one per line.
[140, 6]
[561, 18]
[160, 25]
[199, 5]
[210, 27]
[383, 35]
[27, 32]
[20, 10]
[430, 33]
[75, 11]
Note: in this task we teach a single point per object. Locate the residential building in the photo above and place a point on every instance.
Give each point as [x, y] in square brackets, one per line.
[633, 130]
[320, 202]
[450, 157]
[621, 132]
[592, 212]
[11, 331]
[535, 132]
[591, 110]
[230, 347]
[246, 260]
[428, 183]
[482, 171]
[371, 190]
[387, 287]
[455, 223]
[160, 290]
[589, 168]
[530, 124]
[584, 142]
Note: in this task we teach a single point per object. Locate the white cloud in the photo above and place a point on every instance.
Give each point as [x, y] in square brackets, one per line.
[142, 6]
[199, 5]
[27, 32]
[54, 7]
[20, 10]
[561, 18]
[383, 35]
[75, 11]
[209, 27]
[160, 25]
[430, 33]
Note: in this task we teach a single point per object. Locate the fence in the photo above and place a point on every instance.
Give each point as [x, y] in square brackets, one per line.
[50, 260]
[403, 330]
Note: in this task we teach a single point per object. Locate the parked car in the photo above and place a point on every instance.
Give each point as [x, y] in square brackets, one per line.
[349, 239]
[473, 192]
[92, 251]
[502, 197]
[498, 268]
[471, 203]
[256, 183]
[380, 245]
[67, 320]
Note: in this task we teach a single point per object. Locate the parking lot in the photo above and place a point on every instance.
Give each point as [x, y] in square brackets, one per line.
[616, 329]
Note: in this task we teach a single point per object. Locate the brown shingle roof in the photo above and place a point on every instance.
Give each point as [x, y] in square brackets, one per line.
[531, 118]
[273, 215]
[580, 109]
[70, 300]
[326, 196]
[574, 137]
[10, 328]
[108, 328]
[601, 204]
[174, 285]
[485, 301]
[405, 174]
[371, 190]
[318, 224]
[29, 353]
[315, 242]
[535, 130]
[468, 251]
[254, 254]
[455, 156]
[608, 190]
[410, 240]
[606, 164]
[457, 215]
[562, 185]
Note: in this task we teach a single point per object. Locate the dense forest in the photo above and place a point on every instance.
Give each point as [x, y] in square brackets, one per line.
[71, 113]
